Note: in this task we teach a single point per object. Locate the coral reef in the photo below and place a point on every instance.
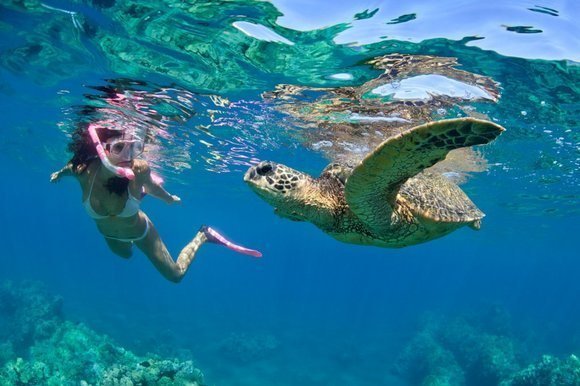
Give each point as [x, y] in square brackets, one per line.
[457, 351]
[476, 350]
[425, 362]
[28, 314]
[40, 347]
[549, 371]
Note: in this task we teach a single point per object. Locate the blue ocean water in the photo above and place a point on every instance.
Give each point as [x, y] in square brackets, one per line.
[312, 311]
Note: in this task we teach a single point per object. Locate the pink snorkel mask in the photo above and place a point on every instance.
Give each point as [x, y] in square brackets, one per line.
[121, 149]
[124, 150]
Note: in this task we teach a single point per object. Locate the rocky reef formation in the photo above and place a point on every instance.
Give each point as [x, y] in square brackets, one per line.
[40, 347]
[548, 371]
[456, 352]
[477, 350]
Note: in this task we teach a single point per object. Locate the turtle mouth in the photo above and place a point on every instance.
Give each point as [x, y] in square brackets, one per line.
[250, 174]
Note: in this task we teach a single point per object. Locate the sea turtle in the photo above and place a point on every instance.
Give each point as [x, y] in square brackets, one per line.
[388, 199]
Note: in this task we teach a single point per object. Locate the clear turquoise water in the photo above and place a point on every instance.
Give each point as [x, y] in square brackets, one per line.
[341, 314]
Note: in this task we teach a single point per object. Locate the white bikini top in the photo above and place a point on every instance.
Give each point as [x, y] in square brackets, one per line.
[131, 206]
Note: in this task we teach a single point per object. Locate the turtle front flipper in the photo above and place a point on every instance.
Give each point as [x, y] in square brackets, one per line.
[372, 188]
[338, 171]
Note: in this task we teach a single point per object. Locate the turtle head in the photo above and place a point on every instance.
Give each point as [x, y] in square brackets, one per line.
[282, 187]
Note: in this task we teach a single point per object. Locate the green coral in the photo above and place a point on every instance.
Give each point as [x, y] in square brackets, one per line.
[21, 372]
[425, 362]
[64, 353]
[477, 350]
[29, 314]
[457, 351]
[486, 357]
[549, 371]
[153, 372]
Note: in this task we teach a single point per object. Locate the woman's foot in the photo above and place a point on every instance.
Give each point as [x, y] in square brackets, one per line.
[214, 236]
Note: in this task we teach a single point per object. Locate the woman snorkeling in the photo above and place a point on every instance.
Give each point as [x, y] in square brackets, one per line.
[113, 181]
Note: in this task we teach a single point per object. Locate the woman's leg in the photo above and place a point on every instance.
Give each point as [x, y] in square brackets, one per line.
[120, 248]
[154, 248]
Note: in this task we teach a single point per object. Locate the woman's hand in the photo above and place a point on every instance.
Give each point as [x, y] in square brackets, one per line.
[55, 177]
[175, 199]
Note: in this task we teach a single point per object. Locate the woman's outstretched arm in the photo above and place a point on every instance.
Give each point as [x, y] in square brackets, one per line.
[152, 186]
[66, 171]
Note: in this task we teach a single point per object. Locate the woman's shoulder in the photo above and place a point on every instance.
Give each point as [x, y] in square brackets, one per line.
[82, 170]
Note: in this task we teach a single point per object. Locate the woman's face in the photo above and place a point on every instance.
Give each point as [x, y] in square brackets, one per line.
[121, 150]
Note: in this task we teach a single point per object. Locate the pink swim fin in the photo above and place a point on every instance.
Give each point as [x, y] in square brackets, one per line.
[214, 236]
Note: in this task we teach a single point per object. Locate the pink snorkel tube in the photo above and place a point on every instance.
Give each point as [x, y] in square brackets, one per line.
[120, 171]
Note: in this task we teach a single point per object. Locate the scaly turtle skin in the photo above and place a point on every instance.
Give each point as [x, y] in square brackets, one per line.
[387, 200]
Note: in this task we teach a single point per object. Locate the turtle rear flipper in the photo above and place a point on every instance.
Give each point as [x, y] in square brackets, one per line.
[372, 187]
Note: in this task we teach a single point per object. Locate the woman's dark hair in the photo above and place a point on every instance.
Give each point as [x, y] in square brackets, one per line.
[82, 147]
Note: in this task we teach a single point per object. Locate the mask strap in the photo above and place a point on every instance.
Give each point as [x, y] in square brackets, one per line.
[121, 172]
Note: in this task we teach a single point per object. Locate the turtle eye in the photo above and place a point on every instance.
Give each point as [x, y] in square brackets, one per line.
[264, 168]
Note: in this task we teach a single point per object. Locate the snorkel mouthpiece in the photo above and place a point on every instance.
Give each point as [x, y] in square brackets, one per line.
[120, 171]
